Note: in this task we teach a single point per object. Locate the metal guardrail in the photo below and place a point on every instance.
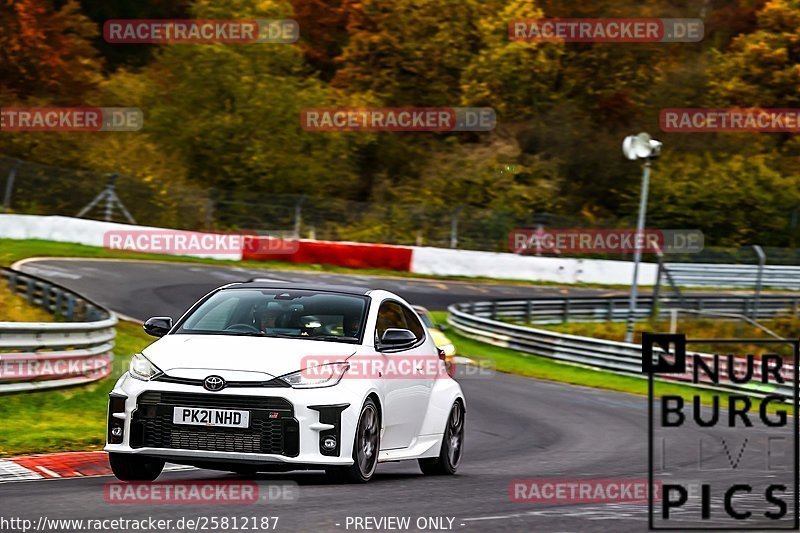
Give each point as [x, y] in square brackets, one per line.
[43, 355]
[490, 322]
[553, 310]
[735, 276]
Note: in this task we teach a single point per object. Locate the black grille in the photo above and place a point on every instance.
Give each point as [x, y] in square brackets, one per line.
[273, 428]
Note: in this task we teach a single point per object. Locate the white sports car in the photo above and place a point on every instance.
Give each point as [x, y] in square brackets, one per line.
[262, 376]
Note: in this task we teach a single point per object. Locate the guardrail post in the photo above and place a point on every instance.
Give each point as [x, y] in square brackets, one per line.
[12, 282]
[45, 296]
[494, 310]
[566, 310]
[70, 314]
[529, 311]
[59, 301]
[610, 309]
[31, 289]
[795, 306]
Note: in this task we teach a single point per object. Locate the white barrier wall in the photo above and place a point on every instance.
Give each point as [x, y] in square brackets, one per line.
[433, 261]
[79, 231]
[447, 262]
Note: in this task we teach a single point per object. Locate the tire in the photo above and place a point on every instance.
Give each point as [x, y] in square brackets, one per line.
[366, 445]
[129, 467]
[452, 446]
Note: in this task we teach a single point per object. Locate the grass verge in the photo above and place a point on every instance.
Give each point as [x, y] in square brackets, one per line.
[14, 308]
[72, 419]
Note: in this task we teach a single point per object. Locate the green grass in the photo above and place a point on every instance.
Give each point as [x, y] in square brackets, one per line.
[14, 308]
[72, 419]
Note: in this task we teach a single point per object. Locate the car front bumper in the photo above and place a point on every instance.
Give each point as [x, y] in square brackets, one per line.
[314, 414]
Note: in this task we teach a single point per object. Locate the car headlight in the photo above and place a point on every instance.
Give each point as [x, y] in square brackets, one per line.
[317, 376]
[448, 349]
[142, 368]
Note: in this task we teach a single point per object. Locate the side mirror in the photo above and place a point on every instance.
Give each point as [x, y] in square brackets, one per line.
[158, 326]
[398, 337]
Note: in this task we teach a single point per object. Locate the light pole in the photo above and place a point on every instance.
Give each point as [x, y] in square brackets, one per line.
[637, 147]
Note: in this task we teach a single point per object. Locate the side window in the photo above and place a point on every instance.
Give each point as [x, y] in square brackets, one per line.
[390, 315]
[414, 324]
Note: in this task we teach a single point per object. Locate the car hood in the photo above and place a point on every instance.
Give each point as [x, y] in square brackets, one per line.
[240, 358]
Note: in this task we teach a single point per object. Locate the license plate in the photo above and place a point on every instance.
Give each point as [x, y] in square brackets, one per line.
[194, 416]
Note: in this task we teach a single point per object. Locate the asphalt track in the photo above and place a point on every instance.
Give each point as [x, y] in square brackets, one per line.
[517, 428]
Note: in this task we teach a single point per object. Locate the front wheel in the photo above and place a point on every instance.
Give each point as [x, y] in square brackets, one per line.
[365, 448]
[129, 467]
[452, 446]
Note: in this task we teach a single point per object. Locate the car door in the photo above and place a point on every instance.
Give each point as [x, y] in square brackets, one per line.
[407, 388]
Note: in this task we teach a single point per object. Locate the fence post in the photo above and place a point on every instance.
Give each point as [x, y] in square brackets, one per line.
[298, 216]
[454, 227]
[762, 259]
[12, 175]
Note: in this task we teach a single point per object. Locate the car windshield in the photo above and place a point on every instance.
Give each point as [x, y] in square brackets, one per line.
[279, 313]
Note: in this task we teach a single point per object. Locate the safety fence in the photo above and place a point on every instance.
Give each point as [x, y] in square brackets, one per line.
[735, 276]
[74, 349]
[492, 323]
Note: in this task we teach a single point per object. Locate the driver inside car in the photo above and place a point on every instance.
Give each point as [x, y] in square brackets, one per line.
[265, 317]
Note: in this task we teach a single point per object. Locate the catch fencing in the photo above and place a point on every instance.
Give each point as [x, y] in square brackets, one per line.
[735, 276]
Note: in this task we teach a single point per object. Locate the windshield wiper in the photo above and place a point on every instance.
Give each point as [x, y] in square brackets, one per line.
[331, 338]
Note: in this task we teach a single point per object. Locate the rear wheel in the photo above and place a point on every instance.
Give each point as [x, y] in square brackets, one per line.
[128, 467]
[365, 448]
[452, 446]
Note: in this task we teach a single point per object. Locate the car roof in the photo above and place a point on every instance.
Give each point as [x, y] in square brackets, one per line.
[288, 285]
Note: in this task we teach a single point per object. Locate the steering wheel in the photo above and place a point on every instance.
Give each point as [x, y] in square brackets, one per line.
[242, 328]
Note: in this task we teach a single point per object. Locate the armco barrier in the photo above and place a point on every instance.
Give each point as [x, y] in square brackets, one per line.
[42, 355]
[490, 322]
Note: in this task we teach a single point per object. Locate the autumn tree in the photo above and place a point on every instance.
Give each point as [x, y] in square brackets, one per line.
[46, 52]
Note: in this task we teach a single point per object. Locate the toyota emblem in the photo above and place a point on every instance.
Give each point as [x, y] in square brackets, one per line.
[214, 383]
